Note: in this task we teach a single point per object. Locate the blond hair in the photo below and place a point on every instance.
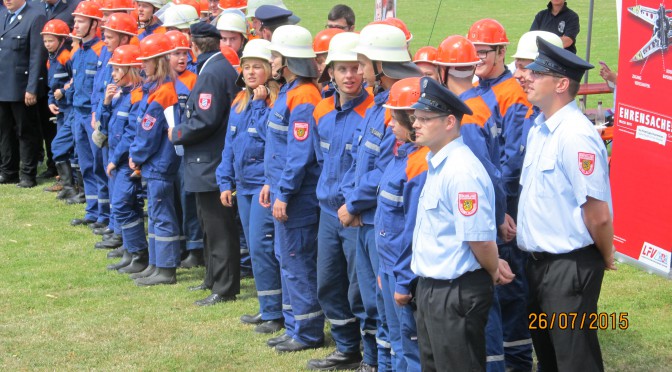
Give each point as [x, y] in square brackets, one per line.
[162, 72]
[246, 94]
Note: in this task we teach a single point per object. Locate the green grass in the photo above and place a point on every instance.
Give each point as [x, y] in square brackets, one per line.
[61, 310]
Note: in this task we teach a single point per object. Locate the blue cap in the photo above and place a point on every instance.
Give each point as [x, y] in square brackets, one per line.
[204, 29]
[437, 98]
[273, 16]
[553, 59]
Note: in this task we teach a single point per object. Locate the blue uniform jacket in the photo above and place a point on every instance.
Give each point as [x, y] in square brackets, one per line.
[504, 95]
[389, 221]
[151, 29]
[242, 166]
[291, 167]
[120, 118]
[334, 128]
[59, 74]
[151, 149]
[84, 70]
[100, 81]
[480, 134]
[372, 146]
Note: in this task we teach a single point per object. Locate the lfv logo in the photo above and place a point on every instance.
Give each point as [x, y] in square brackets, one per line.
[655, 256]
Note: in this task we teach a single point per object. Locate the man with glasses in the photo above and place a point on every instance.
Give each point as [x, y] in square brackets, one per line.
[454, 249]
[565, 212]
[341, 17]
[270, 17]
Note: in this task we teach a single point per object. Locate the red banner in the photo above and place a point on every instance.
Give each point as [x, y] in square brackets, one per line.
[641, 163]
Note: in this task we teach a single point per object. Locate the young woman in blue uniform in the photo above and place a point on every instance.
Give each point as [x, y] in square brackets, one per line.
[291, 174]
[155, 155]
[119, 112]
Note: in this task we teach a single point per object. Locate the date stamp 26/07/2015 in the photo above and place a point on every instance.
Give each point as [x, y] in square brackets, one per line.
[578, 321]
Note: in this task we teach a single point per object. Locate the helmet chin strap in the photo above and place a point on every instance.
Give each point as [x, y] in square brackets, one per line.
[278, 74]
[377, 88]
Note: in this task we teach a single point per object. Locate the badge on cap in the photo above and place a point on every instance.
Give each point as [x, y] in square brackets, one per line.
[300, 131]
[467, 202]
[586, 163]
[204, 101]
[148, 122]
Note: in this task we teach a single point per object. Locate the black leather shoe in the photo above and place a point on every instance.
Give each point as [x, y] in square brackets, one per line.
[109, 243]
[200, 287]
[251, 319]
[139, 262]
[160, 276]
[270, 326]
[79, 198]
[26, 184]
[336, 361]
[272, 342]
[292, 345]
[194, 259]
[116, 253]
[102, 230]
[214, 299]
[125, 261]
[7, 179]
[363, 367]
[97, 225]
[48, 173]
[111, 236]
[81, 221]
[147, 272]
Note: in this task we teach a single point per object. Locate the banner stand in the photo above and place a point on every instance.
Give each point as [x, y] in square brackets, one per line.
[623, 258]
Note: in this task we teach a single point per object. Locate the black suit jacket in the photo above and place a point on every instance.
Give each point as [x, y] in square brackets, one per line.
[204, 123]
[62, 11]
[22, 54]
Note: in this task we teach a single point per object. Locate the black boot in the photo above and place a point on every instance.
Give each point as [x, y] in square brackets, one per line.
[147, 272]
[65, 171]
[194, 259]
[80, 197]
[160, 276]
[139, 262]
[125, 261]
[116, 253]
[114, 241]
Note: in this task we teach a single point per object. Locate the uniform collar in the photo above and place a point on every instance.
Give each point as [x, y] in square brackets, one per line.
[18, 11]
[351, 103]
[406, 149]
[554, 121]
[487, 83]
[435, 160]
[204, 58]
[381, 97]
[90, 43]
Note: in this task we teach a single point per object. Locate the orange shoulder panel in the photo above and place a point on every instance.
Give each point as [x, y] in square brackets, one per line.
[165, 95]
[63, 57]
[136, 95]
[135, 41]
[481, 112]
[303, 93]
[160, 30]
[97, 47]
[529, 113]
[388, 117]
[416, 163]
[370, 90]
[48, 64]
[188, 78]
[508, 93]
[361, 108]
[324, 107]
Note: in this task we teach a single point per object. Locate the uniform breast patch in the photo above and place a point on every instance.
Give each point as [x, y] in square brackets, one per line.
[586, 163]
[467, 203]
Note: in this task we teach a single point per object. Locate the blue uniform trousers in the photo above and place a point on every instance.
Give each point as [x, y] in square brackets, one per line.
[258, 229]
[375, 333]
[63, 145]
[127, 209]
[403, 332]
[164, 231]
[340, 298]
[191, 228]
[81, 129]
[109, 185]
[297, 252]
[494, 340]
[245, 255]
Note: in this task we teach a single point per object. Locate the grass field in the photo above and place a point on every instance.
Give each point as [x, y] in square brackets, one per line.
[61, 310]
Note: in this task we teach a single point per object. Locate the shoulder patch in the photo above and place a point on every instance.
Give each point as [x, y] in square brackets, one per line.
[301, 129]
[148, 122]
[586, 163]
[204, 101]
[467, 203]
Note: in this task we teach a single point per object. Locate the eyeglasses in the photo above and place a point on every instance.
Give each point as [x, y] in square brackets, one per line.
[424, 121]
[344, 28]
[482, 54]
[540, 74]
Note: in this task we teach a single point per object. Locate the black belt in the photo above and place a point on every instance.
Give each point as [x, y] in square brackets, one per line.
[540, 256]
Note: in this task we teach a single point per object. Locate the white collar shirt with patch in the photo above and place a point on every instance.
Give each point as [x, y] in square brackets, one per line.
[566, 162]
[456, 206]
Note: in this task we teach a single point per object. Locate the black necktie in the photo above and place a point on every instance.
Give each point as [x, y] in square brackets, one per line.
[9, 17]
[50, 9]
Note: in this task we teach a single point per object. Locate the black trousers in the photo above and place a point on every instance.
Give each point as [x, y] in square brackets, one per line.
[221, 243]
[451, 318]
[47, 129]
[19, 139]
[562, 284]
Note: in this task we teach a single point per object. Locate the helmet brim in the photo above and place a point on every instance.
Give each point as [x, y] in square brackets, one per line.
[401, 70]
